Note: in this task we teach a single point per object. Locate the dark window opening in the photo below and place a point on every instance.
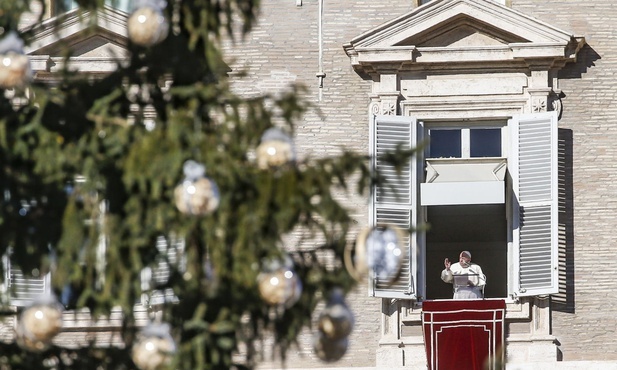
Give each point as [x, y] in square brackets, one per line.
[480, 229]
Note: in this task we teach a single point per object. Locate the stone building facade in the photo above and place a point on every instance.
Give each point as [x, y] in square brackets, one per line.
[442, 62]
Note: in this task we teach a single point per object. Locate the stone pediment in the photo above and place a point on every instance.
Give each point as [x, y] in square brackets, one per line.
[461, 32]
[97, 44]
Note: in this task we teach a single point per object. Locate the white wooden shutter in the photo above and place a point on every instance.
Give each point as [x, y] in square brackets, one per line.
[392, 203]
[171, 255]
[23, 290]
[533, 167]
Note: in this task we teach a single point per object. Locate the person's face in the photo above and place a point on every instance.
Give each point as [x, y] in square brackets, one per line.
[463, 259]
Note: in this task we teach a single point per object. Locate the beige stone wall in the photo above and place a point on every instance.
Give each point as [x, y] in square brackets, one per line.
[585, 326]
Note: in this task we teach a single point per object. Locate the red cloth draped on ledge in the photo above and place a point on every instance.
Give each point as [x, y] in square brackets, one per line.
[464, 335]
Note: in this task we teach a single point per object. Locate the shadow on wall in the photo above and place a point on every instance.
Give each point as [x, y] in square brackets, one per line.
[564, 301]
[585, 59]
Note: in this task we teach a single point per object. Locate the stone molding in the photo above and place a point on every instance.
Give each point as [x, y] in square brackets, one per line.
[502, 36]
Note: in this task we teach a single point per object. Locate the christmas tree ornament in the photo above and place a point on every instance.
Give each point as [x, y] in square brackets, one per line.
[275, 149]
[329, 350]
[196, 194]
[336, 320]
[384, 249]
[147, 25]
[278, 283]
[39, 324]
[154, 348]
[15, 70]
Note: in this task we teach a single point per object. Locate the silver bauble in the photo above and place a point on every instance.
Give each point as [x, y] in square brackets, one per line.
[329, 350]
[147, 25]
[279, 285]
[39, 324]
[384, 249]
[336, 321]
[15, 70]
[154, 348]
[275, 149]
[196, 194]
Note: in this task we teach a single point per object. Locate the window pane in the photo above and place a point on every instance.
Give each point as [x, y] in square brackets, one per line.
[445, 143]
[63, 6]
[124, 5]
[485, 142]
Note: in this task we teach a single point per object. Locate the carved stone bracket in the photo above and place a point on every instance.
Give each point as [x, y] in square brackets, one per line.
[385, 104]
[388, 108]
[539, 99]
[538, 104]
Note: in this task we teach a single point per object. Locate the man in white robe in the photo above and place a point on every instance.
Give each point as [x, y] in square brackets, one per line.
[466, 277]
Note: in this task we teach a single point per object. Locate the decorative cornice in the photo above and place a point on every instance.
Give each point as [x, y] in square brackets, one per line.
[109, 21]
[524, 41]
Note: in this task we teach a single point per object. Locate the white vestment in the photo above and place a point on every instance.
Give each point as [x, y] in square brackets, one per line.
[468, 281]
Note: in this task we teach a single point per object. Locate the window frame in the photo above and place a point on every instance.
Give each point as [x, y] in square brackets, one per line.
[63, 6]
[466, 127]
[417, 243]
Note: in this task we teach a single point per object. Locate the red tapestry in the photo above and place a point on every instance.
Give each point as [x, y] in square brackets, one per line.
[464, 335]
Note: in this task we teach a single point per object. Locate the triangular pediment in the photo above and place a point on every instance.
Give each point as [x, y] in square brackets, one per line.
[456, 30]
[97, 43]
[461, 31]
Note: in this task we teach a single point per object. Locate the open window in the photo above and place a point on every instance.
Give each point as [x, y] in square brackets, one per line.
[487, 186]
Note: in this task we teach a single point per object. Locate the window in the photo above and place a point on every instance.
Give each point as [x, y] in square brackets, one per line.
[464, 142]
[513, 238]
[62, 6]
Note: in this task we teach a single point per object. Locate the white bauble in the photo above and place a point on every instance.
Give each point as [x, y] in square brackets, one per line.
[147, 25]
[196, 194]
[275, 149]
[154, 348]
[38, 325]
